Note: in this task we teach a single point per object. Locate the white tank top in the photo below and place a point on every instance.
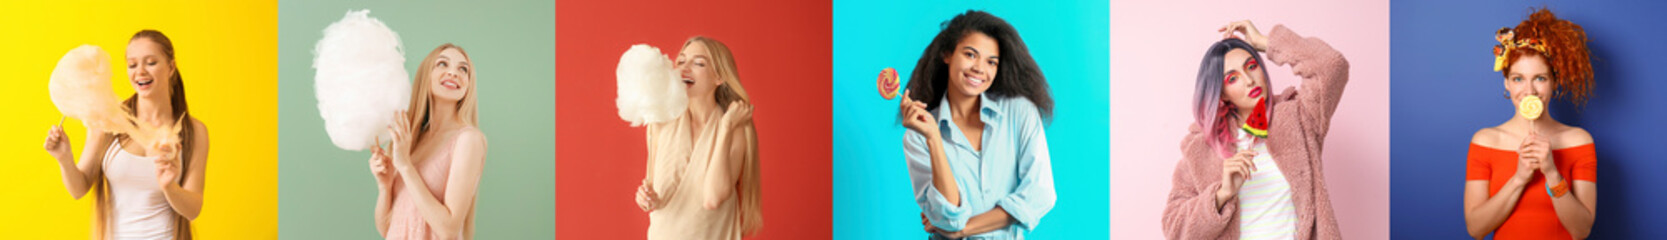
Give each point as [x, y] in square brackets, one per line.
[137, 208]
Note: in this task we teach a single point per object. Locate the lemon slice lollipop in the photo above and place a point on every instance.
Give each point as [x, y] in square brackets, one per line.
[1531, 107]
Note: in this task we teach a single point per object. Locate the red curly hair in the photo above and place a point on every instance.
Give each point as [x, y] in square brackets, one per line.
[1566, 53]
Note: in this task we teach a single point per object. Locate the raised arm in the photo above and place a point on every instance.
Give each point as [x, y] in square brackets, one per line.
[187, 200]
[928, 169]
[1193, 210]
[1324, 73]
[724, 166]
[1579, 206]
[78, 177]
[386, 180]
[448, 218]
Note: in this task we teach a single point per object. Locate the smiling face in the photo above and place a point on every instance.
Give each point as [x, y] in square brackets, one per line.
[1243, 80]
[972, 64]
[149, 70]
[450, 75]
[1529, 75]
[699, 74]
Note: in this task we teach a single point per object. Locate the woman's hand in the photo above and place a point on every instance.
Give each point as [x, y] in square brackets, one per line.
[915, 117]
[1541, 147]
[399, 149]
[167, 164]
[647, 199]
[57, 145]
[1234, 172]
[739, 114]
[1251, 35]
[379, 168]
[1530, 155]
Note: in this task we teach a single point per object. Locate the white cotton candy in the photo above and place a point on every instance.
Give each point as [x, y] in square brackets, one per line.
[650, 91]
[80, 88]
[361, 80]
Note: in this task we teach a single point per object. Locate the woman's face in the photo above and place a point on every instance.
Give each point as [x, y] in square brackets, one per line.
[449, 75]
[1529, 75]
[149, 70]
[972, 64]
[1243, 82]
[699, 75]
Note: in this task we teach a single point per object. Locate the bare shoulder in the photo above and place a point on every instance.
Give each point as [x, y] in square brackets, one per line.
[1489, 137]
[470, 136]
[1571, 136]
[200, 130]
[199, 133]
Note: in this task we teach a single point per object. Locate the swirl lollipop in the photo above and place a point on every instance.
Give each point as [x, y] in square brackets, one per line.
[1531, 107]
[888, 83]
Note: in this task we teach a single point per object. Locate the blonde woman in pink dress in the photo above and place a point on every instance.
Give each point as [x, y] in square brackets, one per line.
[702, 180]
[436, 156]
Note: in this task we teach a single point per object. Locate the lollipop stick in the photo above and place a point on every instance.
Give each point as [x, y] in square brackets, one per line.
[60, 121]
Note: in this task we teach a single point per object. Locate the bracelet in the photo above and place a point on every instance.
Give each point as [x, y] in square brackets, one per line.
[1559, 190]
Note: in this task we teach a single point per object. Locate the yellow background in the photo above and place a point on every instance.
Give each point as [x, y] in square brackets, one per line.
[227, 55]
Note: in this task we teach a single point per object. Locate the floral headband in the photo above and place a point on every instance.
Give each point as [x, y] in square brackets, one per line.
[1507, 42]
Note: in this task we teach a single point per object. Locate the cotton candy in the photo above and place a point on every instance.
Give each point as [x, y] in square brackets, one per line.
[360, 80]
[650, 91]
[80, 88]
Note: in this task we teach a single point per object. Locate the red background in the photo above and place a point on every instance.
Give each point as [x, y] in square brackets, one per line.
[783, 49]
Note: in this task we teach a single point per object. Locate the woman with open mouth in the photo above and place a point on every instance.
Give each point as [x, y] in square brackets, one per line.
[976, 107]
[1251, 164]
[437, 154]
[141, 192]
[702, 180]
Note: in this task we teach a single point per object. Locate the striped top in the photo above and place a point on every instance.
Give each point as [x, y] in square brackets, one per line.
[1265, 207]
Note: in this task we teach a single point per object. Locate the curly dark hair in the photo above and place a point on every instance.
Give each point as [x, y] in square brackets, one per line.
[1017, 73]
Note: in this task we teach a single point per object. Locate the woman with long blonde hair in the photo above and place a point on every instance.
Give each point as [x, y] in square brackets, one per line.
[141, 191]
[437, 154]
[702, 180]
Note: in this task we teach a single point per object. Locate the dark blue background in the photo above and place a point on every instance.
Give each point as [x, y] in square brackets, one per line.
[1443, 90]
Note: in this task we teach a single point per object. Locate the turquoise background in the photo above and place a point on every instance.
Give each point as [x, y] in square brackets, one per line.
[328, 193]
[872, 195]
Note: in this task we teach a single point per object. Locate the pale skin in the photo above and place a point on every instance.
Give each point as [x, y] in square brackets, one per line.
[149, 71]
[972, 69]
[702, 79]
[1245, 82]
[1533, 141]
[450, 77]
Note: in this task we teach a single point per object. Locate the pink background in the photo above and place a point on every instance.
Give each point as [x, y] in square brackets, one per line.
[1155, 50]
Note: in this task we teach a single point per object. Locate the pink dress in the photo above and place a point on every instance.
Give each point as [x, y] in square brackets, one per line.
[405, 221]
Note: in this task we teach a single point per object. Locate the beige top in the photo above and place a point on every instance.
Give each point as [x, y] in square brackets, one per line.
[680, 164]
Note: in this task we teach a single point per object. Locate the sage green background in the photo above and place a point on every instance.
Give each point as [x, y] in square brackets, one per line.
[328, 193]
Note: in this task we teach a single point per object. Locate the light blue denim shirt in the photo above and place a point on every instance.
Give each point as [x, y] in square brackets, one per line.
[1012, 171]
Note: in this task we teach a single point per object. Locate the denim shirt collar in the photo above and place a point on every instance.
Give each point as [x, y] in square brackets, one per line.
[989, 110]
